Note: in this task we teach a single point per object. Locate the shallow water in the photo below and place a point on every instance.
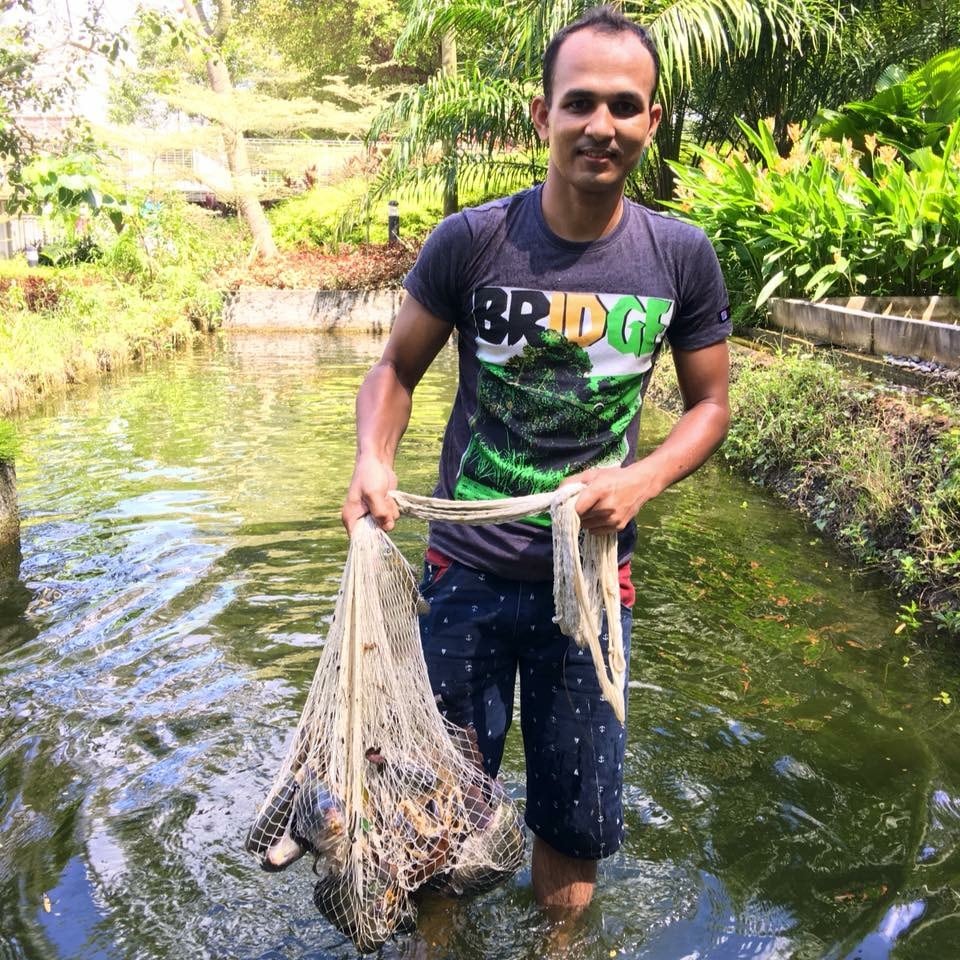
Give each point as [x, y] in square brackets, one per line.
[793, 787]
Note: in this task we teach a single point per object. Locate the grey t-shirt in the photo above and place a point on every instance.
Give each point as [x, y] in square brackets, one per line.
[556, 344]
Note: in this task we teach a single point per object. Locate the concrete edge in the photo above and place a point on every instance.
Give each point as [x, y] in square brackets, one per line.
[268, 310]
[873, 333]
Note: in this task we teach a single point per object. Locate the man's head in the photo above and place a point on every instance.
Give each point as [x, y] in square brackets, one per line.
[597, 112]
[605, 19]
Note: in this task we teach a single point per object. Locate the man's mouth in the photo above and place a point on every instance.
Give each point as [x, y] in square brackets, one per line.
[598, 153]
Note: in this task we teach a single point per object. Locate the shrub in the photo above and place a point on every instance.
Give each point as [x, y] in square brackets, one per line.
[815, 223]
[149, 292]
[328, 216]
[34, 292]
[315, 218]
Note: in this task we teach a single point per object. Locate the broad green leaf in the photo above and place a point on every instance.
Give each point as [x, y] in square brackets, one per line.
[769, 287]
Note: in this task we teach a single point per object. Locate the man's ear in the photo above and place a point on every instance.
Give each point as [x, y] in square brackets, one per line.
[656, 114]
[539, 112]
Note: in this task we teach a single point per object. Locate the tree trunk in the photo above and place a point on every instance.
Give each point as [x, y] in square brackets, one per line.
[9, 524]
[248, 203]
[448, 67]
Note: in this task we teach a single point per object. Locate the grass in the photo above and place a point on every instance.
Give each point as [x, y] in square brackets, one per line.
[878, 472]
[61, 325]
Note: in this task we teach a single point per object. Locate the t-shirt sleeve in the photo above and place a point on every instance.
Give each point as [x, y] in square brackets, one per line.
[704, 315]
[436, 279]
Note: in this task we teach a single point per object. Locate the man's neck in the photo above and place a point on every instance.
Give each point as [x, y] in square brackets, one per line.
[580, 217]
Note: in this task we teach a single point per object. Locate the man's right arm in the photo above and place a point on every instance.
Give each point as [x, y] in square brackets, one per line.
[384, 403]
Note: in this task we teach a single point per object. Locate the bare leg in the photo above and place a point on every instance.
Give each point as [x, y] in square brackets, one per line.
[562, 885]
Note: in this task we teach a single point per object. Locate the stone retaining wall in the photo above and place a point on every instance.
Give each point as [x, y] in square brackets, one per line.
[267, 309]
[875, 333]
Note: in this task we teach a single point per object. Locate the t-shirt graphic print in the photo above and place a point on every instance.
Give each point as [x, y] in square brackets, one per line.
[560, 381]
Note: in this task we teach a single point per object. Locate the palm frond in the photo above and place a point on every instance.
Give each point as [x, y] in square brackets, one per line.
[481, 19]
[487, 111]
[708, 33]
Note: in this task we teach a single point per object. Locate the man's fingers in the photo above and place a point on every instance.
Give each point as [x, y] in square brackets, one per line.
[384, 511]
[352, 511]
[585, 476]
[587, 499]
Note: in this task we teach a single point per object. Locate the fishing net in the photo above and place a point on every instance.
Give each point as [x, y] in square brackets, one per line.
[384, 793]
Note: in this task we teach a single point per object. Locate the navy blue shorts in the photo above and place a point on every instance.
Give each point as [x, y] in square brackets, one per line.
[481, 631]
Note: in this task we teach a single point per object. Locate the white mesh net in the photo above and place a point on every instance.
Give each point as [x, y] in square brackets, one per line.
[386, 794]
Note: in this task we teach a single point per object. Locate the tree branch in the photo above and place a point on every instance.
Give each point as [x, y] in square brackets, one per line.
[194, 13]
[224, 19]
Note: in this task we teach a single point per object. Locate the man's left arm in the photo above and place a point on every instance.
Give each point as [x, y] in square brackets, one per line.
[614, 495]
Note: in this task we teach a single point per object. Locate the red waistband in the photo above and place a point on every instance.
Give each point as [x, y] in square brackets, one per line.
[628, 594]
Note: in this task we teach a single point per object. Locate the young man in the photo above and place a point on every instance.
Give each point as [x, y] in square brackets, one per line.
[561, 296]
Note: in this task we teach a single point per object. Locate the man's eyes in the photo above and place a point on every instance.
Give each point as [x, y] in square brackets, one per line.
[619, 108]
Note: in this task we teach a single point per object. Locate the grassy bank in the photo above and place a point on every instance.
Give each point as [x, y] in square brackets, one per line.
[877, 471]
[147, 293]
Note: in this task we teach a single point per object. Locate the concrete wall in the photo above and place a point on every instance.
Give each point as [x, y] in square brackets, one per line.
[868, 332]
[266, 309]
[842, 326]
[939, 309]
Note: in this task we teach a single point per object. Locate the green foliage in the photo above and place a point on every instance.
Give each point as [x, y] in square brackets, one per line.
[35, 76]
[863, 45]
[8, 442]
[69, 190]
[167, 250]
[916, 111]
[879, 474]
[816, 224]
[326, 216]
[482, 112]
[350, 38]
[148, 292]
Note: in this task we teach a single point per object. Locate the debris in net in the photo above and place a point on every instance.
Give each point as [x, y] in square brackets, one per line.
[386, 794]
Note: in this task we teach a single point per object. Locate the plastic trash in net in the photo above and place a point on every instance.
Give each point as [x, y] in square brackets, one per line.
[385, 794]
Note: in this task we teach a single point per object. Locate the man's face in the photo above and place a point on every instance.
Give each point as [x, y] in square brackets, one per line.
[600, 119]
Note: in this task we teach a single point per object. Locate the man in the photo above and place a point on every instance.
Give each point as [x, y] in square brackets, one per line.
[561, 296]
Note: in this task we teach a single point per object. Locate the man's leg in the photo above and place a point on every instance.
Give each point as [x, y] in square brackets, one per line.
[467, 647]
[574, 748]
[562, 885]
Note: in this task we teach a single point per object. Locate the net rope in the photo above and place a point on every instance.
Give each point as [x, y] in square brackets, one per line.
[385, 793]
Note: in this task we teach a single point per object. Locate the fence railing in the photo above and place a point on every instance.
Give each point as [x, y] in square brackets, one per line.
[18, 233]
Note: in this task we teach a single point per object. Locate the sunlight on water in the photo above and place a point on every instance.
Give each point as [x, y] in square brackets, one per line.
[792, 787]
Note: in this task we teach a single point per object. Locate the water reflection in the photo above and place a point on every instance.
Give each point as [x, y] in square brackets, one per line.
[791, 783]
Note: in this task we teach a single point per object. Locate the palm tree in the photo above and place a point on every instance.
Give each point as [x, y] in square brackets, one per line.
[879, 41]
[470, 127]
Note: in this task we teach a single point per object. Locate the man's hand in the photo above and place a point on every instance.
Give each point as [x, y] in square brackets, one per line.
[367, 493]
[614, 495]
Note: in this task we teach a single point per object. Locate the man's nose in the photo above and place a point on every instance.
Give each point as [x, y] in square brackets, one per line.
[600, 124]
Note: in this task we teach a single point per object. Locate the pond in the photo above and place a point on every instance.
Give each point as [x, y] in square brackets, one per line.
[792, 775]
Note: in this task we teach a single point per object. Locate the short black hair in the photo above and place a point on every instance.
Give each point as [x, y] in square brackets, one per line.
[605, 19]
